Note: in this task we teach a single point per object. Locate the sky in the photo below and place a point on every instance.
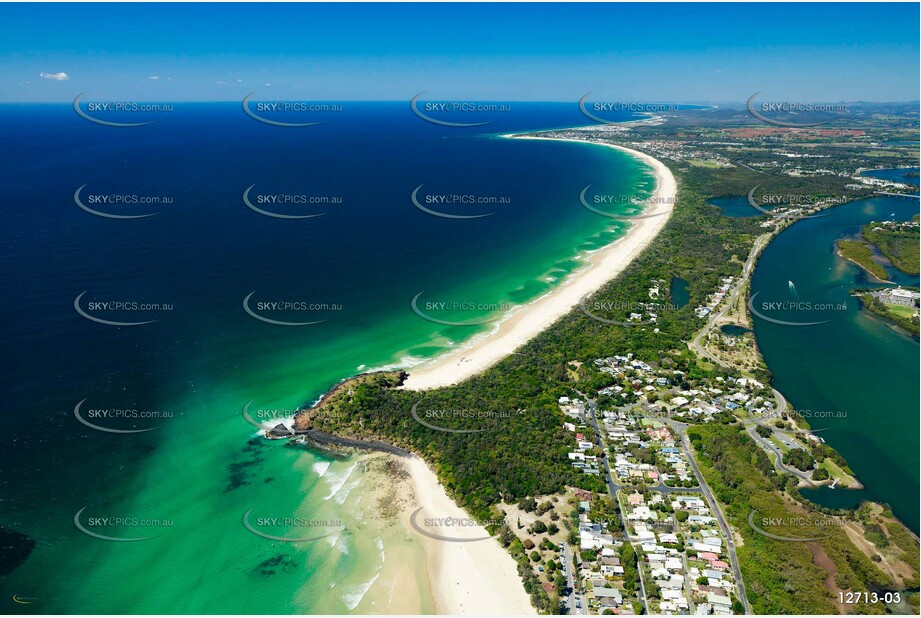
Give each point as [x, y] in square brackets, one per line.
[682, 53]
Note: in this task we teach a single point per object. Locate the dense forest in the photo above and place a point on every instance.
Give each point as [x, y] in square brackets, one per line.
[901, 246]
[781, 577]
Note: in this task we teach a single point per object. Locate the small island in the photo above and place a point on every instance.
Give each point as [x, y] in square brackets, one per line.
[898, 242]
[860, 253]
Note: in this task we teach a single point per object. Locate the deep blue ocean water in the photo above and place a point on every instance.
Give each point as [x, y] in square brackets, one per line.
[204, 358]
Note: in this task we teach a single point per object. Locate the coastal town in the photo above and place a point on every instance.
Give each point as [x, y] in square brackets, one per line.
[643, 533]
[656, 504]
[461, 309]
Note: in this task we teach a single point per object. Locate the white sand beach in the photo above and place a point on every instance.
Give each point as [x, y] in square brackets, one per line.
[526, 321]
[478, 577]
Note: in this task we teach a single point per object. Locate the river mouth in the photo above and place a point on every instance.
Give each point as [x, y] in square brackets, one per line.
[822, 367]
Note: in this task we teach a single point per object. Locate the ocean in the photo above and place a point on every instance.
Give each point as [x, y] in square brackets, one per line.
[217, 285]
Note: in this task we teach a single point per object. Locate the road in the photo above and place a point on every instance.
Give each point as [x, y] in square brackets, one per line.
[769, 446]
[574, 608]
[721, 519]
[695, 345]
[679, 428]
[687, 584]
[613, 488]
[734, 293]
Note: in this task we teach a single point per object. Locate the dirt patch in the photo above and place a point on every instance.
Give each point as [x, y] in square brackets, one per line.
[821, 560]
[520, 521]
[897, 570]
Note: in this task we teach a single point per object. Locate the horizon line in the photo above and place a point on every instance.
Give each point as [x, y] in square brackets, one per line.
[566, 101]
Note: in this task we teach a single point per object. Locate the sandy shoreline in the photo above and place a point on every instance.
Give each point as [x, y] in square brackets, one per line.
[525, 322]
[478, 577]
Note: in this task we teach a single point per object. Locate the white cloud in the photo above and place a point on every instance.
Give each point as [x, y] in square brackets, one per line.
[153, 77]
[59, 77]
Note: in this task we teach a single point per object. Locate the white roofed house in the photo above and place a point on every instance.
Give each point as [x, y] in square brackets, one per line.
[591, 539]
[642, 513]
[721, 604]
[609, 594]
[668, 537]
[714, 541]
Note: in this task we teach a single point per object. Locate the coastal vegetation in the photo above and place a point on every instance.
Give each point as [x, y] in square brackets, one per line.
[511, 446]
[898, 242]
[860, 253]
[798, 458]
[781, 576]
[904, 316]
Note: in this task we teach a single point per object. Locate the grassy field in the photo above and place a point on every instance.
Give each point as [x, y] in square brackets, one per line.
[901, 310]
[704, 163]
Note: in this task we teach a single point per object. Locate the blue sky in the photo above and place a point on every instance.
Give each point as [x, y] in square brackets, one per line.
[515, 52]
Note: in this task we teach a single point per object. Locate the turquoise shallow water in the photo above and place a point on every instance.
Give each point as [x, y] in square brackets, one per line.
[201, 468]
